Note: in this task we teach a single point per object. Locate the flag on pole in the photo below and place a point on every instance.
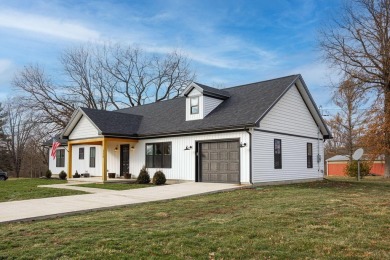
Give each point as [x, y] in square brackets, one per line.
[54, 148]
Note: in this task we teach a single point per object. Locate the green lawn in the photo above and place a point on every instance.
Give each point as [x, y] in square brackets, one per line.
[115, 186]
[323, 220]
[23, 189]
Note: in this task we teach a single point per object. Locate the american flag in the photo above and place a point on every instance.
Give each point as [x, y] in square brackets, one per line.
[54, 148]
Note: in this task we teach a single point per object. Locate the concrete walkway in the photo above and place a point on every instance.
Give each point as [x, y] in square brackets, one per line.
[101, 199]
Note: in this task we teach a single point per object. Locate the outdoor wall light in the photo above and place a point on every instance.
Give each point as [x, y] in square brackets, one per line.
[132, 148]
[116, 149]
[188, 148]
[242, 145]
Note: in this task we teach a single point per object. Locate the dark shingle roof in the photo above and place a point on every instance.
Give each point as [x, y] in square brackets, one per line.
[245, 106]
[213, 91]
[113, 123]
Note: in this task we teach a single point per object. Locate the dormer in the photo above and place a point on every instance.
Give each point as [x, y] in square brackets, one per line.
[201, 100]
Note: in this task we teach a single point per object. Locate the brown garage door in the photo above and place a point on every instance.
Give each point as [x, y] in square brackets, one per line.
[220, 162]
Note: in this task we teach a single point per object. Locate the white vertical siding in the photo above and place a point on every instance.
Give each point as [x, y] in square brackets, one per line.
[82, 165]
[294, 158]
[209, 104]
[52, 162]
[290, 115]
[84, 129]
[183, 162]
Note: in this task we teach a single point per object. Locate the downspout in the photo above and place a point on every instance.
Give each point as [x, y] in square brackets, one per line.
[250, 154]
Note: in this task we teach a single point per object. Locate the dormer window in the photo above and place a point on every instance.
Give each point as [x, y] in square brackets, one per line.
[194, 105]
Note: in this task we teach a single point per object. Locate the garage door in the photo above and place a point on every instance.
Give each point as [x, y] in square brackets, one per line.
[220, 162]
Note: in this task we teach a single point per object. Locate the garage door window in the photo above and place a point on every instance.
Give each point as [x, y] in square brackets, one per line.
[159, 155]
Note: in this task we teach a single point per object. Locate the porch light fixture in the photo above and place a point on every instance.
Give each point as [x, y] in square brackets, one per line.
[188, 148]
[242, 145]
[116, 149]
[132, 148]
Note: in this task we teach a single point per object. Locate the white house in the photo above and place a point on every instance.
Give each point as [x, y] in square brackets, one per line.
[264, 132]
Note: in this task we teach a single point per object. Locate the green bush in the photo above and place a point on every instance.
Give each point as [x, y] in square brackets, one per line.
[143, 177]
[352, 169]
[62, 175]
[159, 178]
[48, 174]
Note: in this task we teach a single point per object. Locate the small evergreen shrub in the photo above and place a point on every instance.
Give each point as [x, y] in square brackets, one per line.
[159, 178]
[48, 174]
[143, 177]
[352, 169]
[76, 175]
[62, 175]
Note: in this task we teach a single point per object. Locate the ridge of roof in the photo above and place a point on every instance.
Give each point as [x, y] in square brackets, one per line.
[263, 81]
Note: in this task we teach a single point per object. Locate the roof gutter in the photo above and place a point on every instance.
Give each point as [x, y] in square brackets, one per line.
[250, 154]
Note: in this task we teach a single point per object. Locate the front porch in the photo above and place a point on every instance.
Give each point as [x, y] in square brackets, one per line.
[108, 151]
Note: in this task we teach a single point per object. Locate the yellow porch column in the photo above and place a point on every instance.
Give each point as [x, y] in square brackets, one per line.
[69, 160]
[104, 160]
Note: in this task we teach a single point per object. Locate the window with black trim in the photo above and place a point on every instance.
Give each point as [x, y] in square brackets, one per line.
[81, 153]
[309, 151]
[194, 105]
[92, 157]
[278, 154]
[60, 158]
[158, 155]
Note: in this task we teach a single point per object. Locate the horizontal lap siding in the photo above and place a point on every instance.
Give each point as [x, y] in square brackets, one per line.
[290, 115]
[183, 162]
[84, 129]
[294, 158]
[209, 104]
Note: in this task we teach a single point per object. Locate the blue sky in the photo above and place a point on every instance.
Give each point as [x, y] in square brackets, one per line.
[228, 42]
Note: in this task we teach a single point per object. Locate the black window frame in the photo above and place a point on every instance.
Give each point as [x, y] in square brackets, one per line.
[60, 158]
[92, 159]
[278, 154]
[81, 153]
[309, 154]
[194, 106]
[158, 155]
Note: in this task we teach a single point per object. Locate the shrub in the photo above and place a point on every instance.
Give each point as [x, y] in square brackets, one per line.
[62, 175]
[352, 169]
[143, 177]
[159, 178]
[48, 174]
[76, 175]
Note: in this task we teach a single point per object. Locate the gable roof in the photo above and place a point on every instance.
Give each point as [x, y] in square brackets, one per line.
[207, 91]
[243, 107]
[106, 122]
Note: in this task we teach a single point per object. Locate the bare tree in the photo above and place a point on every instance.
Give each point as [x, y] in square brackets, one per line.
[349, 121]
[18, 129]
[102, 77]
[142, 78]
[43, 97]
[359, 44]
[89, 84]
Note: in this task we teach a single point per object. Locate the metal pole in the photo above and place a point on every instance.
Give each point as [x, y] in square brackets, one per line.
[358, 170]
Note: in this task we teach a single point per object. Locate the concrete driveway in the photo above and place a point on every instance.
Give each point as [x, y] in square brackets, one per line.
[101, 199]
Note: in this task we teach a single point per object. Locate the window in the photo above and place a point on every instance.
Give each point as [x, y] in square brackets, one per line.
[309, 151]
[159, 155]
[278, 153]
[60, 158]
[81, 153]
[194, 105]
[92, 157]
